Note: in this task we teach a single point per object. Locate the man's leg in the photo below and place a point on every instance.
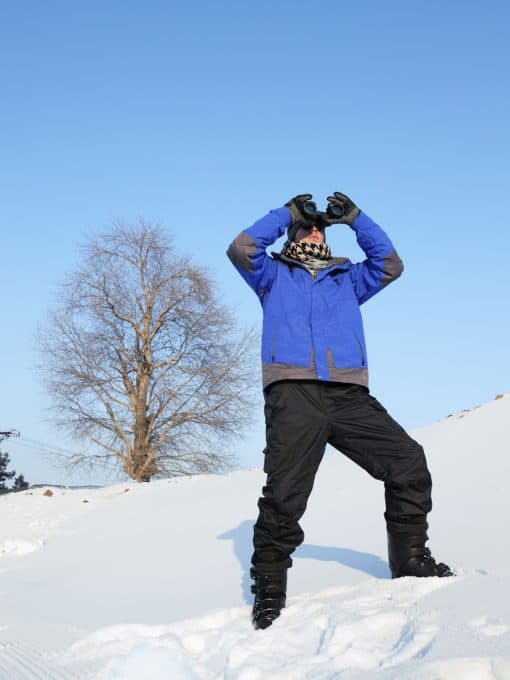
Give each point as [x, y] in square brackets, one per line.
[362, 429]
[296, 433]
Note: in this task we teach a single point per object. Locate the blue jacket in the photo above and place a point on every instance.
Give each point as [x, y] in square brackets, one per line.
[312, 327]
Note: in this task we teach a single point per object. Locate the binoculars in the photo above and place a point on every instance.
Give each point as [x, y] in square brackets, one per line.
[333, 209]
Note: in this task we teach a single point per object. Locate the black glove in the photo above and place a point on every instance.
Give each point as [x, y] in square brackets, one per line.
[340, 210]
[303, 211]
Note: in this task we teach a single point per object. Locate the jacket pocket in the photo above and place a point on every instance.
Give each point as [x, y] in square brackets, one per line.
[273, 346]
[361, 350]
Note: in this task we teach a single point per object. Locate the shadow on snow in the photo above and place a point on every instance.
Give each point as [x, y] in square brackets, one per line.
[241, 538]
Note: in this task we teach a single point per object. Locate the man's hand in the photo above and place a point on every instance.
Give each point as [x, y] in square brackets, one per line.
[303, 211]
[340, 210]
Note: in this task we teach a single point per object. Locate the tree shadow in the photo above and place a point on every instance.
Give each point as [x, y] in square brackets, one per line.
[241, 537]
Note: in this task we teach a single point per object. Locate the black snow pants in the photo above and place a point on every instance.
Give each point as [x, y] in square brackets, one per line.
[301, 418]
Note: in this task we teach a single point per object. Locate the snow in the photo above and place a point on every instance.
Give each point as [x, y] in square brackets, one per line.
[152, 580]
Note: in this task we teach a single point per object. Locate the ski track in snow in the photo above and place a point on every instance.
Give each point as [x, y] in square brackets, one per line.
[373, 626]
[23, 661]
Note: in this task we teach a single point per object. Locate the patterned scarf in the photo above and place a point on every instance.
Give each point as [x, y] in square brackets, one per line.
[315, 256]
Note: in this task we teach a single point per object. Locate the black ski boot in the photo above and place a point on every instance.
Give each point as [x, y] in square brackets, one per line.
[408, 555]
[270, 590]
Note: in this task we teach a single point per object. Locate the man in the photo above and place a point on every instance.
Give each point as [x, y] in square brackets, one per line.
[315, 379]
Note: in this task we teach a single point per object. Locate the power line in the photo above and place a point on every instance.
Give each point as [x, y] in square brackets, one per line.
[7, 434]
[36, 445]
[53, 448]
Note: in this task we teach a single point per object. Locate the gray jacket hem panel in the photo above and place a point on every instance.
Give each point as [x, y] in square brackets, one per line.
[274, 372]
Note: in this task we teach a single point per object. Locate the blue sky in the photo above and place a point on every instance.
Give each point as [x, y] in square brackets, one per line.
[206, 115]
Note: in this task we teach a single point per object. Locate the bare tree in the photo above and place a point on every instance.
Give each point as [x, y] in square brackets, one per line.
[141, 359]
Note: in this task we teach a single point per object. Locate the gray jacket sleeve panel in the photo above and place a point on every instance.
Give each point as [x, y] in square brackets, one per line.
[393, 268]
[248, 250]
[241, 252]
[373, 274]
[252, 262]
[382, 265]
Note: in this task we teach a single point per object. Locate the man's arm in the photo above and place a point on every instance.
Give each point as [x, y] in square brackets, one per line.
[247, 251]
[382, 266]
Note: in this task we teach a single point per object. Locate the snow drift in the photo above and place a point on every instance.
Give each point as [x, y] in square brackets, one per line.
[152, 580]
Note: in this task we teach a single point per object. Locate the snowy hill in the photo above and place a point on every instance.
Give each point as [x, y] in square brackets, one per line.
[152, 580]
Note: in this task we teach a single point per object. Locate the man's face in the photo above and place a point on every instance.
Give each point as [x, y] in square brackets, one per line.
[311, 235]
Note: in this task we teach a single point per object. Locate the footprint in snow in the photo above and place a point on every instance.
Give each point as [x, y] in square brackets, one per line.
[373, 626]
[489, 627]
[18, 546]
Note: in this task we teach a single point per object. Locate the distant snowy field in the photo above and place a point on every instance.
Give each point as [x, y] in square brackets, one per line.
[151, 581]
